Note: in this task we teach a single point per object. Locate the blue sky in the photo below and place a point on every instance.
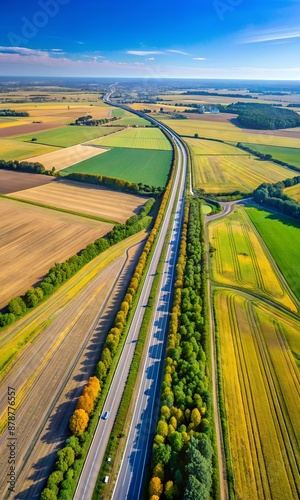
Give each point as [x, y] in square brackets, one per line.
[248, 39]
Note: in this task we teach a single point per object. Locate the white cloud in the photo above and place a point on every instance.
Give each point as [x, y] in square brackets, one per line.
[199, 58]
[143, 52]
[269, 35]
[150, 59]
[179, 52]
[22, 51]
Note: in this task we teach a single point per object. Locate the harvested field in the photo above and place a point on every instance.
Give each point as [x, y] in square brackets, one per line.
[135, 165]
[230, 173]
[61, 359]
[68, 136]
[33, 239]
[282, 236]
[260, 383]
[241, 261]
[228, 132]
[11, 149]
[67, 156]
[17, 181]
[133, 120]
[140, 138]
[85, 199]
[293, 192]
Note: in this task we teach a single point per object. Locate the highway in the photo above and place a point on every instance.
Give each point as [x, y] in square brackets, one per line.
[131, 473]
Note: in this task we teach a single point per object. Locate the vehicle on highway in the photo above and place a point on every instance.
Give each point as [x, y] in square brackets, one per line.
[105, 415]
[106, 478]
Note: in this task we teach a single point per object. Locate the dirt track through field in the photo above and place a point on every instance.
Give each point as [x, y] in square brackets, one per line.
[60, 362]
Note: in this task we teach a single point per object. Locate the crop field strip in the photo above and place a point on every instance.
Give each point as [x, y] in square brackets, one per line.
[139, 138]
[289, 155]
[67, 136]
[35, 238]
[228, 132]
[12, 181]
[148, 166]
[230, 173]
[275, 228]
[11, 149]
[293, 192]
[241, 261]
[86, 199]
[66, 157]
[261, 386]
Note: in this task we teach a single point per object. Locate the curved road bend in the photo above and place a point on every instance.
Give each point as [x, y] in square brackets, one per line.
[132, 470]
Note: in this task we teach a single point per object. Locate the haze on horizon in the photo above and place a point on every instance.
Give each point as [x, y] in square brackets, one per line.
[217, 39]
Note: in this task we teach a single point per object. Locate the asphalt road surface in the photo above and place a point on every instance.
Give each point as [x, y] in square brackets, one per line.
[131, 474]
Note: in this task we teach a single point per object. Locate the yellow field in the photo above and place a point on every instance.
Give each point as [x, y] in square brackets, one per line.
[217, 174]
[33, 239]
[261, 391]
[11, 149]
[293, 192]
[203, 147]
[230, 133]
[141, 138]
[241, 261]
[85, 198]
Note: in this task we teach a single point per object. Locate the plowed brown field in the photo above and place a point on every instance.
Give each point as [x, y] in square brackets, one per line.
[16, 181]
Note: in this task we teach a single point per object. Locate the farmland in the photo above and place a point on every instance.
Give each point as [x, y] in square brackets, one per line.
[67, 136]
[293, 192]
[282, 237]
[16, 181]
[261, 391]
[289, 155]
[135, 165]
[34, 238]
[207, 148]
[230, 173]
[241, 261]
[228, 132]
[65, 157]
[133, 120]
[11, 149]
[141, 138]
[84, 198]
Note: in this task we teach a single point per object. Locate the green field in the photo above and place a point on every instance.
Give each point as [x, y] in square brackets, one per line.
[289, 155]
[133, 120]
[134, 165]
[67, 136]
[141, 138]
[18, 150]
[282, 237]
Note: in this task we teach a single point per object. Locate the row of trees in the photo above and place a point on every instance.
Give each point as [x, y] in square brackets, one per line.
[82, 417]
[88, 120]
[115, 183]
[22, 166]
[218, 94]
[182, 450]
[263, 116]
[267, 156]
[12, 112]
[61, 272]
[273, 195]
